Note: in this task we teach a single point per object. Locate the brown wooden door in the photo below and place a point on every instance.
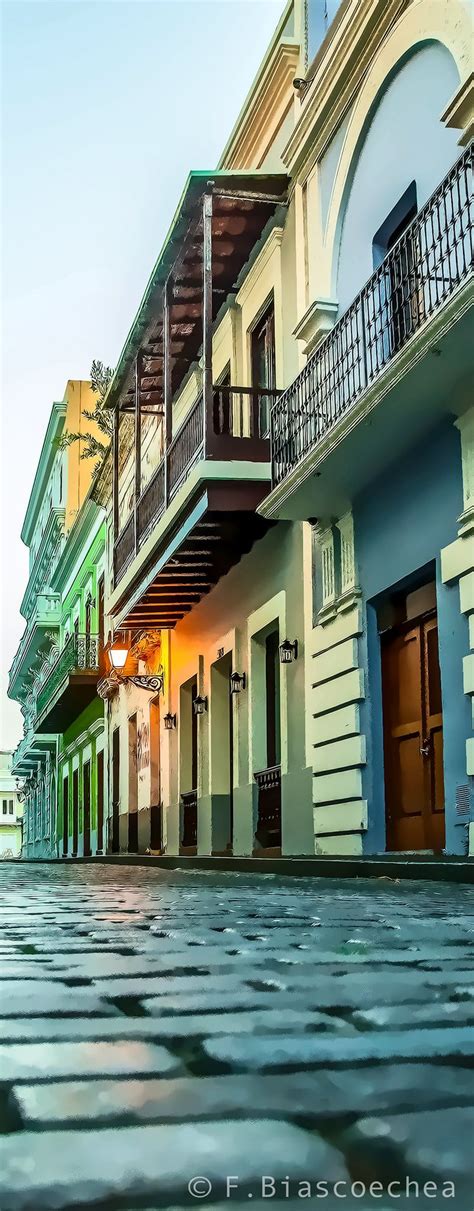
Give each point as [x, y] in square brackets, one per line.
[413, 737]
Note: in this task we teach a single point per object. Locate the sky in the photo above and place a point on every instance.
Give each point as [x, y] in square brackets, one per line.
[106, 106]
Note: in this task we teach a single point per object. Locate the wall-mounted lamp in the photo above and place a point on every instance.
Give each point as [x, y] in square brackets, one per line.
[238, 682]
[299, 82]
[288, 651]
[199, 705]
[118, 652]
[169, 722]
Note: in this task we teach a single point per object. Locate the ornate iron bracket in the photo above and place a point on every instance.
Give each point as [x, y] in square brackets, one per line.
[110, 684]
[153, 683]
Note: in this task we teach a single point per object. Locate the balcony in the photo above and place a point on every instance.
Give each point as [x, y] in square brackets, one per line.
[70, 686]
[31, 750]
[197, 515]
[411, 316]
[173, 487]
[46, 617]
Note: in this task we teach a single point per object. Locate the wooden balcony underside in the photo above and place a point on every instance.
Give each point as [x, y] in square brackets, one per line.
[159, 596]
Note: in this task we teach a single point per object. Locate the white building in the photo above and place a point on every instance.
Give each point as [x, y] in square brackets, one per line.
[11, 811]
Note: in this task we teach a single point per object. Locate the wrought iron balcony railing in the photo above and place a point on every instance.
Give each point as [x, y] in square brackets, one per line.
[420, 273]
[268, 831]
[240, 415]
[79, 655]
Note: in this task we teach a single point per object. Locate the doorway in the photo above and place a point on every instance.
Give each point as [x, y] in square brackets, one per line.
[115, 789]
[75, 812]
[413, 726]
[263, 364]
[222, 756]
[156, 831]
[132, 786]
[189, 761]
[65, 815]
[100, 802]
[86, 787]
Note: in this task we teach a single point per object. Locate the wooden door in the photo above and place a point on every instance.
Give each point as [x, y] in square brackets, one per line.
[65, 815]
[75, 811]
[115, 790]
[86, 783]
[413, 737]
[100, 802]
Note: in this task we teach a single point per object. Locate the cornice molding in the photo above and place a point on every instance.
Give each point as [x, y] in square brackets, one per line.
[267, 109]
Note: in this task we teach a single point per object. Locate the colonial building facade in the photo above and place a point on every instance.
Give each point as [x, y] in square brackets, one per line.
[282, 593]
[315, 287]
[57, 654]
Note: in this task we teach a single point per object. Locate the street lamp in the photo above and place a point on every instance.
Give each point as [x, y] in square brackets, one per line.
[288, 651]
[169, 722]
[118, 652]
[199, 705]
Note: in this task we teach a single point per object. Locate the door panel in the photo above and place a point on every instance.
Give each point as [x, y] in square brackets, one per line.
[413, 737]
[65, 814]
[100, 801]
[75, 811]
[115, 790]
[86, 776]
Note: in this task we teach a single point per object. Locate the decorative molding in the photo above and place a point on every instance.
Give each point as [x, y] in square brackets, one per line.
[345, 526]
[317, 321]
[459, 114]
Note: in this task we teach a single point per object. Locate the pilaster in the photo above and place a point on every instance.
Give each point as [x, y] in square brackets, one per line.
[336, 689]
[457, 567]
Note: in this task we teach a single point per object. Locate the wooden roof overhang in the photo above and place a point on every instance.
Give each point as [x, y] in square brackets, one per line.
[242, 206]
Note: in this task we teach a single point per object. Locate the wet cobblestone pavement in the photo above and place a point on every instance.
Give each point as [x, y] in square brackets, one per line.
[162, 1026]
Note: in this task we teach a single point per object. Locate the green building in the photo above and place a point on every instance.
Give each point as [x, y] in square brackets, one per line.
[55, 670]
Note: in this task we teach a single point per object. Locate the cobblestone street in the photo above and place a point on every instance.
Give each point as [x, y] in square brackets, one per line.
[164, 1026]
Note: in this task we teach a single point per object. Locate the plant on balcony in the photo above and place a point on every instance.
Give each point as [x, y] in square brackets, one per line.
[100, 377]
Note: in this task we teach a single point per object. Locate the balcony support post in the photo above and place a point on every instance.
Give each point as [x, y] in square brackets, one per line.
[207, 320]
[115, 474]
[167, 385]
[138, 445]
